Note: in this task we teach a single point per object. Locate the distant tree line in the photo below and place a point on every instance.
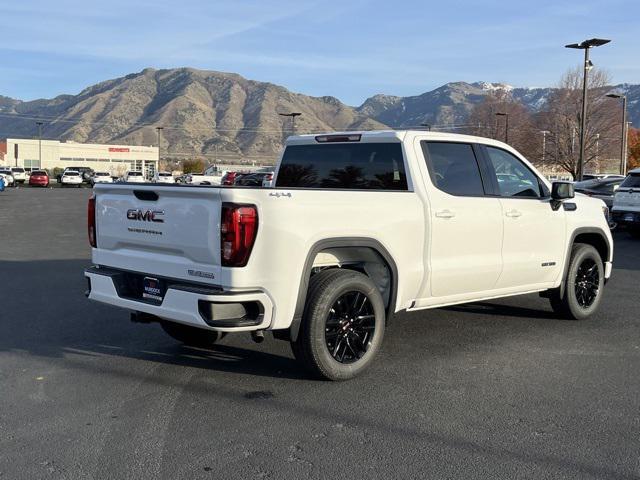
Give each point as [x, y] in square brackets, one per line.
[550, 137]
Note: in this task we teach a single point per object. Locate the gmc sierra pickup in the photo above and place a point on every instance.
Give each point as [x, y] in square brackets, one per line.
[357, 226]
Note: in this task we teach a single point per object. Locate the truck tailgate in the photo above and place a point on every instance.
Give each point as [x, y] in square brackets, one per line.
[169, 231]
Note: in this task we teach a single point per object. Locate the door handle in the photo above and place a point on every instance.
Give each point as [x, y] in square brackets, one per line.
[513, 214]
[445, 214]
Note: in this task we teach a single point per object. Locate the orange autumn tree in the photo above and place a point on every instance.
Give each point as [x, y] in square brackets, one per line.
[633, 148]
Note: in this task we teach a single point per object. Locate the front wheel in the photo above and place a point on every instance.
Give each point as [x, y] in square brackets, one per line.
[584, 283]
[192, 336]
[342, 326]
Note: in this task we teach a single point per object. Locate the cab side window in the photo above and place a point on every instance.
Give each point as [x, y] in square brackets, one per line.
[514, 177]
[453, 168]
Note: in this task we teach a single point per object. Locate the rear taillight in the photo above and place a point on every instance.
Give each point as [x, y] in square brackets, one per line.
[238, 229]
[91, 221]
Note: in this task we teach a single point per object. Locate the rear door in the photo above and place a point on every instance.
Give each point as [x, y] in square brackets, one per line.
[168, 231]
[534, 233]
[466, 224]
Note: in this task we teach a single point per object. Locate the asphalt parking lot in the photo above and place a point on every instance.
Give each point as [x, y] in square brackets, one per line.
[494, 390]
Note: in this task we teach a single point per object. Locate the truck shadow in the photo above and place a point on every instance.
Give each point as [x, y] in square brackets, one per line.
[487, 308]
[50, 317]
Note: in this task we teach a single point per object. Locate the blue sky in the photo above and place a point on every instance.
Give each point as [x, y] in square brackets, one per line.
[350, 49]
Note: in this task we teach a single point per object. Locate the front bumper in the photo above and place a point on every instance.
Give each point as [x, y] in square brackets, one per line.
[191, 304]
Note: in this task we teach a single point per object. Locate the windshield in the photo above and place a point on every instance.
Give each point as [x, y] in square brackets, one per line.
[164, 174]
[38, 172]
[632, 181]
[135, 174]
[102, 174]
[17, 169]
[71, 174]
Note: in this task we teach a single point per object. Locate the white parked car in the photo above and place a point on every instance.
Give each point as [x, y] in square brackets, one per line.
[19, 174]
[202, 179]
[101, 177]
[71, 178]
[163, 177]
[134, 177]
[9, 181]
[626, 203]
[267, 181]
[358, 226]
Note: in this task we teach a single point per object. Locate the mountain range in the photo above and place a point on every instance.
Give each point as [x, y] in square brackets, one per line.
[227, 116]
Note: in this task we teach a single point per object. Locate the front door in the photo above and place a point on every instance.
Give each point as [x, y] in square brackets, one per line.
[534, 233]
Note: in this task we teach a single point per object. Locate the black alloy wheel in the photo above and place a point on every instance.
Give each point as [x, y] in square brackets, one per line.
[587, 284]
[350, 326]
[583, 284]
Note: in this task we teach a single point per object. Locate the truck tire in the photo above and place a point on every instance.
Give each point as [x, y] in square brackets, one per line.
[342, 325]
[192, 336]
[584, 284]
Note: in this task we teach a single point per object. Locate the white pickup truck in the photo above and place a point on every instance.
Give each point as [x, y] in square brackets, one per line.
[358, 226]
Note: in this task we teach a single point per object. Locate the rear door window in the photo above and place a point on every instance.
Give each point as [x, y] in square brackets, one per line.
[357, 166]
[453, 168]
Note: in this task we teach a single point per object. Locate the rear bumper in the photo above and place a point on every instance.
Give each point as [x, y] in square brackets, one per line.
[627, 217]
[196, 305]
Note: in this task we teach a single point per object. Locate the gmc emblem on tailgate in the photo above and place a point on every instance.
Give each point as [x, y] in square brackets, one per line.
[146, 215]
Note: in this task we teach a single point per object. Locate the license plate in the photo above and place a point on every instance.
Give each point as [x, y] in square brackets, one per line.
[629, 217]
[151, 289]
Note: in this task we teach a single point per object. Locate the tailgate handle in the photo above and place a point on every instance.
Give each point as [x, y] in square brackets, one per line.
[147, 195]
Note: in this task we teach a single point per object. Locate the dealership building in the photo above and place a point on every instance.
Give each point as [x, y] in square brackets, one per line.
[49, 154]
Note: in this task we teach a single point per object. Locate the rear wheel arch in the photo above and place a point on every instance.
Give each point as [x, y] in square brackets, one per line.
[344, 244]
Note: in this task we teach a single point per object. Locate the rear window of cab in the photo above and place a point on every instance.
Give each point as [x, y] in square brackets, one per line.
[349, 166]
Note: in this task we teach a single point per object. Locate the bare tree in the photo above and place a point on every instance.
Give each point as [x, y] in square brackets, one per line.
[561, 117]
[484, 121]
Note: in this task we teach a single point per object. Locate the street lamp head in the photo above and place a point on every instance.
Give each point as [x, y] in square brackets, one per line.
[592, 42]
[292, 114]
[502, 114]
[615, 95]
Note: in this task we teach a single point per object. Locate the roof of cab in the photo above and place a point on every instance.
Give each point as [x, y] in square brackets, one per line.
[393, 135]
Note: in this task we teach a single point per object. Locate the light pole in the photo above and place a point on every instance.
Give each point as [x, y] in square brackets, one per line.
[597, 153]
[623, 140]
[159, 129]
[427, 125]
[544, 146]
[586, 46]
[293, 116]
[506, 126]
[39, 144]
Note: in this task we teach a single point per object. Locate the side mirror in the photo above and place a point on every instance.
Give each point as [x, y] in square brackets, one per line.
[562, 190]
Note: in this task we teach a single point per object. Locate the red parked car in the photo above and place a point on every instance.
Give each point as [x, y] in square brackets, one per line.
[229, 178]
[39, 178]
